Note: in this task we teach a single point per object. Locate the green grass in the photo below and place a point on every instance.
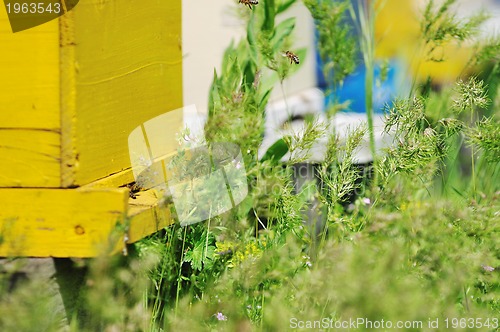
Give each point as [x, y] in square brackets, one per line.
[419, 244]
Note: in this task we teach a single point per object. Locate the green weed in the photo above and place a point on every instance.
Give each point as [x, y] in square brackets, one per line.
[419, 243]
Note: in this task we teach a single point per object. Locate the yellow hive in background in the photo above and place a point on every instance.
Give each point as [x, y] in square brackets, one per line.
[397, 34]
[71, 91]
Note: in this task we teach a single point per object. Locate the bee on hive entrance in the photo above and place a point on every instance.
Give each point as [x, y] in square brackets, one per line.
[292, 56]
[134, 189]
[249, 3]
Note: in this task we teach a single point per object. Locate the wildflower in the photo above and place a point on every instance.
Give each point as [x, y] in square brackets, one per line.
[220, 316]
[366, 200]
[351, 207]
[236, 163]
[488, 268]
[307, 261]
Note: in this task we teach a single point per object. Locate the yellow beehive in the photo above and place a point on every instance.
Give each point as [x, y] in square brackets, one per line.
[397, 37]
[71, 90]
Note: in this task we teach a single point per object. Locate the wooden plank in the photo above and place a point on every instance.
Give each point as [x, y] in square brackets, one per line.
[128, 70]
[60, 222]
[147, 214]
[113, 180]
[29, 76]
[76, 222]
[29, 157]
[29, 106]
[69, 154]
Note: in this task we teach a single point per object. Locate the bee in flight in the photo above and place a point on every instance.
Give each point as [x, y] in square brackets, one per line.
[249, 3]
[292, 57]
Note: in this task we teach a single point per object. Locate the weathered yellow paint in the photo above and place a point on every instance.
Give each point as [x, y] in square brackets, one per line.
[29, 105]
[69, 154]
[71, 91]
[93, 75]
[114, 180]
[147, 214]
[127, 64]
[81, 222]
[29, 76]
[29, 156]
[60, 222]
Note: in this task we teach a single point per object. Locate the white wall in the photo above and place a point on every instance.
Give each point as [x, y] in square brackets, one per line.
[209, 26]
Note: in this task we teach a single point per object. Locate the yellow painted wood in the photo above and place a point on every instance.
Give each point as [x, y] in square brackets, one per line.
[29, 106]
[147, 215]
[69, 154]
[93, 75]
[29, 76]
[71, 91]
[76, 222]
[114, 180]
[60, 222]
[29, 157]
[126, 68]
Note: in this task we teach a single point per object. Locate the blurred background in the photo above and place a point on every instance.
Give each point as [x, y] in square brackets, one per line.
[209, 27]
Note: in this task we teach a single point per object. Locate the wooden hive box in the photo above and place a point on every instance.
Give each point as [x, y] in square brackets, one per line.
[71, 91]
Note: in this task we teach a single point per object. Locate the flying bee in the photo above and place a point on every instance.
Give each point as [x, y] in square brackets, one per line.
[249, 3]
[292, 57]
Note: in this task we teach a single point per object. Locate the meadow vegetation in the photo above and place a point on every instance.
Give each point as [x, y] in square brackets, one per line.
[419, 241]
